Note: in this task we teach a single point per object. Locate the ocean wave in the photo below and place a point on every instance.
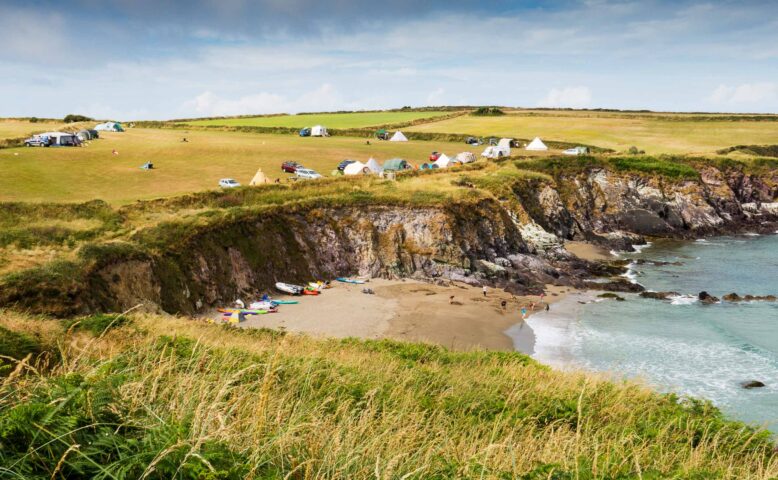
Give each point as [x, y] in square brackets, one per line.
[683, 299]
[640, 248]
[751, 234]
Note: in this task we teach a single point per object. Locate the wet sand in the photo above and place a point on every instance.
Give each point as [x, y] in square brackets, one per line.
[413, 311]
[588, 251]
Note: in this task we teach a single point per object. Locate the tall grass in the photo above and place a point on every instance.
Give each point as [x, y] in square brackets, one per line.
[170, 398]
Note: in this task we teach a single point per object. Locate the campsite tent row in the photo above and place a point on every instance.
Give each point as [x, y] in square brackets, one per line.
[444, 161]
[59, 139]
[109, 127]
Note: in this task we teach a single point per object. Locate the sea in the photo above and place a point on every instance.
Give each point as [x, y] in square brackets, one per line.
[680, 345]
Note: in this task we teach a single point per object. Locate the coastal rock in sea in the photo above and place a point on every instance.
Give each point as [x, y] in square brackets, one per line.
[707, 299]
[659, 295]
[611, 295]
[752, 384]
[616, 286]
[734, 297]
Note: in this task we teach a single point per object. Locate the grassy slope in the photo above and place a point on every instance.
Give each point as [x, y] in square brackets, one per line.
[173, 398]
[330, 120]
[81, 174]
[652, 133]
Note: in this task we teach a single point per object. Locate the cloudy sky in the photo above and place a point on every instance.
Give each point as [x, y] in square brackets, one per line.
[158, 59]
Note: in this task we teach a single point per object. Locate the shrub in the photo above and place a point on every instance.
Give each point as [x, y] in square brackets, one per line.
[72, 118]
[487, 112]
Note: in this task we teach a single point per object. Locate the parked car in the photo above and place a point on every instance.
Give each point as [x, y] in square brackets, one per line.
[342, 165]
[434, 156]
[305, 132]
[474, 141]
[307, 173]
[37, 141]
[290, 167]
[228, 183]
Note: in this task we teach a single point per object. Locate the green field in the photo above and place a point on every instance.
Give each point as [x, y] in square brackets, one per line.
[654, 133]
[92, 172]
[329, 120]
[10, 128]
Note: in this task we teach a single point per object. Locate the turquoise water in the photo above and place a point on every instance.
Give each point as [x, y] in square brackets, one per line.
[683, 346]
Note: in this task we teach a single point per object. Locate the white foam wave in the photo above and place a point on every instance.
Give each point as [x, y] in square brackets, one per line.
[631, 273]
[683, 299]
[556, 331]
[640, 248]
[751, 234]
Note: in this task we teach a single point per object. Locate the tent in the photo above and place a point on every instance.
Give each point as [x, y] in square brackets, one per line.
[443, 161]
[94, 134]
[374, 166]
[396, 164]
[398, 137]
[577, 151]
[356, 168]
[537, 145]
[382, 134]
[259, 178]
[109, 127]
[319, 131]
[495, 152]
[61, 139]
[505, 143]
[465, 157]
[84, 135]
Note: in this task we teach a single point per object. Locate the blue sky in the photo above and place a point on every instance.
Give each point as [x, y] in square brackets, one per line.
[157, 59]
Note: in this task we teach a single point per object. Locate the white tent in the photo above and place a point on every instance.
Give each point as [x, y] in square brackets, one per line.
[61, 138]
[398, 137]
[356, 168]
[443, 161]
[495, 152]
[374, 166]
[319, 131]
[109, 127]
[259, 178]
[505, 143]
[465, 157]
[537, 145]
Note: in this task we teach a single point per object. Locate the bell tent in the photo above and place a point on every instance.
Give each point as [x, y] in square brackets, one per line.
[356, 168]
[374, 166]
[537, 145]
[259, 178]
[443, 161]
[398, 137]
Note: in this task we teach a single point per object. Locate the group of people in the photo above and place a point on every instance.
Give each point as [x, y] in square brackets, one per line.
[504, 303]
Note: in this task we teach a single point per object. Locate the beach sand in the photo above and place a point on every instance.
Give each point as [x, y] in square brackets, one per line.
[588, 251]
[413, 311]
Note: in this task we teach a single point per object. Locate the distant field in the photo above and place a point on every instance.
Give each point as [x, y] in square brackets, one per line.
[87, 173]
[654, 133]
[20, 128]
[329, 120]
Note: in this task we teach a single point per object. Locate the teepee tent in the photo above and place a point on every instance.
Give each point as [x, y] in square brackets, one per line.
[259, 178]
[356, 168]
[374, 166]
[443, 161]
[398, 137]
[537, 145]
[319, 131]
[465, 157]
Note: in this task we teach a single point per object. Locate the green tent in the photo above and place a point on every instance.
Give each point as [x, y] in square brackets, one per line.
[395, 164]
[382, 134]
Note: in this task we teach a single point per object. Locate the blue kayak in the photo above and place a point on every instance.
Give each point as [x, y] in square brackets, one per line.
[349, 280]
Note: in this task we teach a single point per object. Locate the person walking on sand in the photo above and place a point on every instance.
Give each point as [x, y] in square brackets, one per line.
[503, 304]
[547, 307]
[523, 313]
[484, 290]
[451, 300]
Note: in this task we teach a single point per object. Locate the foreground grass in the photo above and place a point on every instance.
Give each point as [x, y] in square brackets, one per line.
[160, 397]
[654, 133]
[329, 120]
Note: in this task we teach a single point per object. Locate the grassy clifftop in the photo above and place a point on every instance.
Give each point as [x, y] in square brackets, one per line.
[163, 397]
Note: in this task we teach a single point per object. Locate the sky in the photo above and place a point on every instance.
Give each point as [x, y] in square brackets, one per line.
[163, 59]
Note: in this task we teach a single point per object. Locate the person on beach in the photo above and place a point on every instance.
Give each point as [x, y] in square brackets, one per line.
[523, 313]
[451, 300]
[484, 290]
[547, 307]
[503, 304]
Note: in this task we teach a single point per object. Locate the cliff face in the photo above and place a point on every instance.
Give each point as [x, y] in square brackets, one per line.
[595, 204]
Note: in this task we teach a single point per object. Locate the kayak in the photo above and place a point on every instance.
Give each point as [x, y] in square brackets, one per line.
[286, 302]
[311, 292]
[230, 311]
[350, 280]
[266, 305]
[289, 288]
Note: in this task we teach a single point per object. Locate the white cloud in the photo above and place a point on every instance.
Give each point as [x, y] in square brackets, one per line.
[568, 97]
[746, 93]
[209, 104]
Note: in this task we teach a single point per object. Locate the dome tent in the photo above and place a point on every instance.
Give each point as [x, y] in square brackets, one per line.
[465, 157]
[394, 164]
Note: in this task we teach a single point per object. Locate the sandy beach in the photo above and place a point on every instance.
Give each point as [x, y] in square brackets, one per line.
[414, 311]
[588, 251]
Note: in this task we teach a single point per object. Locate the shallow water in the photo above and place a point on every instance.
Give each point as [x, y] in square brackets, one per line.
[682, 345]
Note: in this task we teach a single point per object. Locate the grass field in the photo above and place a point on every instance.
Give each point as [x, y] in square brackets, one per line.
[329, 120]
[21, 128]
[87, 173]
[654, 133]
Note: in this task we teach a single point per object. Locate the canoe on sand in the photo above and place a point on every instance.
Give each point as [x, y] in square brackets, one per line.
[289, 288]
[350, 280]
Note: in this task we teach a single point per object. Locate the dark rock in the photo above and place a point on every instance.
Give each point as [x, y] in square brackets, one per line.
[732, 297]
[762, 298]
[611, 295]
[659, 295]
[615, 286]
[752, 384]
[707, 299]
